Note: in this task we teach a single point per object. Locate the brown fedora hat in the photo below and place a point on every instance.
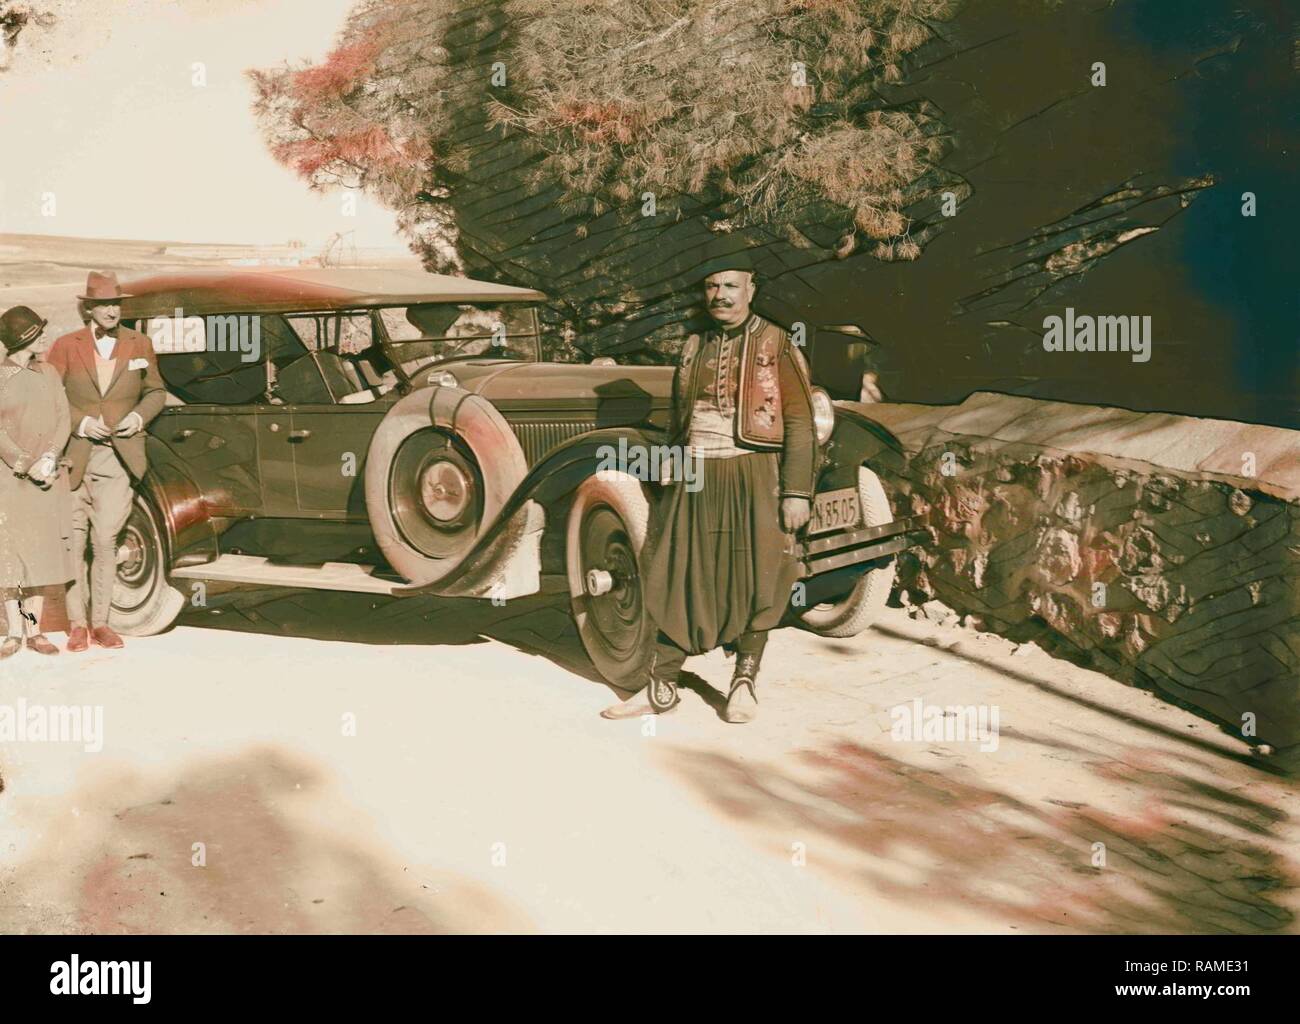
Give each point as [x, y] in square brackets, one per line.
[19, 327]
[103, 288]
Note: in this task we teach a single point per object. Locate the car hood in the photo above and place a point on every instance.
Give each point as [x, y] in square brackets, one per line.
[517, 385]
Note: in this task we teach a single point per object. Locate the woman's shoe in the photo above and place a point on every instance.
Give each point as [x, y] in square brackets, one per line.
[11, 646]
[40, 643]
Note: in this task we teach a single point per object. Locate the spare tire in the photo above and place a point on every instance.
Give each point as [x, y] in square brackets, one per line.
[440, 468]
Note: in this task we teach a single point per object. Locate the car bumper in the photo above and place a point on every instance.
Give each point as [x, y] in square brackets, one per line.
[847, 548]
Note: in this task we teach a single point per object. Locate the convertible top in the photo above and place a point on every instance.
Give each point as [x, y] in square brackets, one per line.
[286, 290]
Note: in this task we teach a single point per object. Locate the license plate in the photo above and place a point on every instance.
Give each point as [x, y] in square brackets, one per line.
[835, 510]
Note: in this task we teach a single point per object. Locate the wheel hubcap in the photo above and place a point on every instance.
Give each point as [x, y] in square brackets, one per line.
[132, 561]
[615, 602]
[434, 495]
[445, 491]
[138, 563]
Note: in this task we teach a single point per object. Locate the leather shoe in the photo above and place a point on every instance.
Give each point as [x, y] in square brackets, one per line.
[742, 700]
[105, 637]
[78, 639]
[667, 700]
[40, 643]
[742, 703]
[11, 646]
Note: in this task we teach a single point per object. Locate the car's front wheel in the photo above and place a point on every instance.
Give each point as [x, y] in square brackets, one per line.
[144, 603]
[606, 535]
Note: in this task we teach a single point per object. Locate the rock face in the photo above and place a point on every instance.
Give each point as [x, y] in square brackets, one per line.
[1133, 541]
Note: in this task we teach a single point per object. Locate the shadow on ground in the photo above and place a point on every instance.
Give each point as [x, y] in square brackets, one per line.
[540, 624]
[267, 869]
[943, 837]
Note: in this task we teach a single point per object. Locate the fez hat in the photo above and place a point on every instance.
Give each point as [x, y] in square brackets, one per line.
[19, 327]
[102, 288]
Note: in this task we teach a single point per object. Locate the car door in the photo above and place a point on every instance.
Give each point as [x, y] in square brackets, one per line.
[275, 461]
[218, 445]
[329, 451]
[210, 419]
[331, 434]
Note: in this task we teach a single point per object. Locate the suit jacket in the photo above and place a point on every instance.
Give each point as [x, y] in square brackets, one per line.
[773, 401]
[139, 390]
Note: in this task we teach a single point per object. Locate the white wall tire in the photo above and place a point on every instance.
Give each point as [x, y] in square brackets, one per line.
[421, 424]
[144, 602]
[606, 533]
[865, 603]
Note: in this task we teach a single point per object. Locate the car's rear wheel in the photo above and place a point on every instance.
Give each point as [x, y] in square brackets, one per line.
[144, 603]
[606, 536]
[865, 603]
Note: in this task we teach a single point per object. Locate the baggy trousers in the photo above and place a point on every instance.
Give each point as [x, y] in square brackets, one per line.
[667, 660]
[720, 569]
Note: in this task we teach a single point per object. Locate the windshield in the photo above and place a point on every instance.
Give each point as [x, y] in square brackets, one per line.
[436, 332]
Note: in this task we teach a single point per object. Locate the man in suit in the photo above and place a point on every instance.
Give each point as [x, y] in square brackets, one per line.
[114, 390]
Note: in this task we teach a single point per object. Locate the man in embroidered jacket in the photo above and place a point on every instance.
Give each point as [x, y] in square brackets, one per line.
[720, 562]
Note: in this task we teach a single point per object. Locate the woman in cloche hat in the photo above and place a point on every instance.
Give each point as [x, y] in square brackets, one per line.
[35, 506]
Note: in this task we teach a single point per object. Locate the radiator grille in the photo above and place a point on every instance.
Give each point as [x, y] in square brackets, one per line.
[538, 437]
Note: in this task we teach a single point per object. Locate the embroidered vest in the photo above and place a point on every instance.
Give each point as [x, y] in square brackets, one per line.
[758, 423]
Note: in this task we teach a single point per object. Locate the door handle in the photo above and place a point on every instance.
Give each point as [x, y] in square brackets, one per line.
[183, 435]
[299, 435]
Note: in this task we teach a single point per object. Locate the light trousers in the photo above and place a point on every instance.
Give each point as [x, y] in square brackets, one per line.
[100, 509]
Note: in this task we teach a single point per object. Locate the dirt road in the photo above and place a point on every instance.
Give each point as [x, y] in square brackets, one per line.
[256, 782]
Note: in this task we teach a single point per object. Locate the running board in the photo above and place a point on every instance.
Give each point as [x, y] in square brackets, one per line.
[255, 569]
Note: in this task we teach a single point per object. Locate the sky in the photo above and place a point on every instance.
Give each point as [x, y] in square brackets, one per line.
[103, 113]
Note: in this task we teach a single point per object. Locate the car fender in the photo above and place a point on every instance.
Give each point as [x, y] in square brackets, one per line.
[191, 535]
[860, 414]
[552, 479]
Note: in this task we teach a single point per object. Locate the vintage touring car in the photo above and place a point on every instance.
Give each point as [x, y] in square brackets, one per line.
[397, 433]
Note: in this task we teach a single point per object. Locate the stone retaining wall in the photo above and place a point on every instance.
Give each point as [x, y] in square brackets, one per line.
[1163, 550]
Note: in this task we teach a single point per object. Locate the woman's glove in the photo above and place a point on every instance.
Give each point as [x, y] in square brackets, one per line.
[45, 470]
